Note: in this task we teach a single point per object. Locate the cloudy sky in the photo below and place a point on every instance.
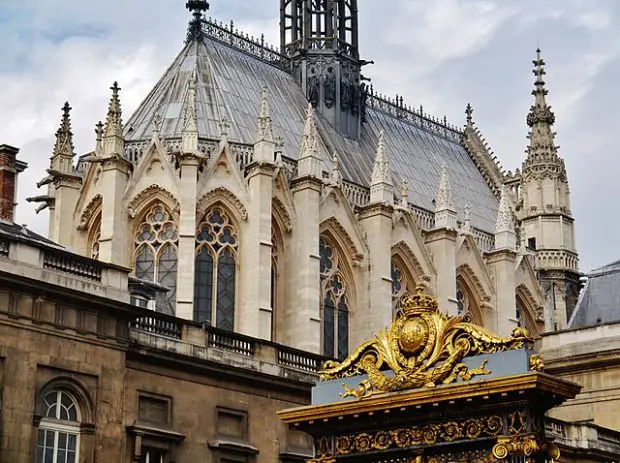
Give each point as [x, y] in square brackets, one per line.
[441, 54]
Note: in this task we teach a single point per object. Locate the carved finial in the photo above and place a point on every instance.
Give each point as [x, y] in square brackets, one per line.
[63, 147]
[309, 142]
[419, 303]
[98, 137]
[336, 176]
[445, 200]
[156, 122]
[197, 8]
[113, 123]
[466, 219]
[190, 117]
[309, 163]
[505, 234]
[469, 111]
[264, 119]
[404, 193]
[113, 141]
[224, 127]
[381, 185]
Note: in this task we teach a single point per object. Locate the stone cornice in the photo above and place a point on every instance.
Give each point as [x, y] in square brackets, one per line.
[257, 168]
[498, 255]
[301, 183]
[372, 210]
[440, 234]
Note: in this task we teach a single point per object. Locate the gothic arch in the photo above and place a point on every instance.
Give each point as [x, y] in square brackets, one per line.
[533, 312]
[409, 258]
[471, 293]
[468, 274]
[149, 196]
[224, 196]
[282, 215]
[90, 212]
[342, 238]
[278, 264]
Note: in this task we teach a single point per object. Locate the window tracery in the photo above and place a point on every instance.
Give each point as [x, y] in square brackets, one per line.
[59, 431]
[216, 270]
[94, 237]
[156, 250]
[334, 303]
[401, 285]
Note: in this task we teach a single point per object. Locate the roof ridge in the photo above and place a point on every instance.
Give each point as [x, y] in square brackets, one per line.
[415, 116]
[228, 34]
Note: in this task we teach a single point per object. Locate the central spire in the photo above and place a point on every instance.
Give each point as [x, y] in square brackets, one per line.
[197, 8]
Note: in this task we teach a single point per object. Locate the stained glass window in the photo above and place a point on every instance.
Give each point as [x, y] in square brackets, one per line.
[156, 257]
[275, 269]
[401, 285]
[216, 271]
[59, 431]
[335, 306]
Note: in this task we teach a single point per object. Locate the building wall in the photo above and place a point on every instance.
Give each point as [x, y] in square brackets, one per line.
[83, 345]
[589, 357]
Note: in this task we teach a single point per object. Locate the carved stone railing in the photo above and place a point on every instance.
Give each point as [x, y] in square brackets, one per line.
[72, 264]
[358, 195]
[301, 360]
[230, 341]
[556, 260]
[185, 337]
[485, 241]
[159, 325]
[227, 34]
[555, 427]
[399, 110]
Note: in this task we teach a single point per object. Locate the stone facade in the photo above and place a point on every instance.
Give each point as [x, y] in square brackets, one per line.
[289, 218]
[143, 382]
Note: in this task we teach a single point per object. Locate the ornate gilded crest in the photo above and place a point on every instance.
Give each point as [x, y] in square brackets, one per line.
[423, 347]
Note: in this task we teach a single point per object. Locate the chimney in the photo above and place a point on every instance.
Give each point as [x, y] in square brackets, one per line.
[9, 168]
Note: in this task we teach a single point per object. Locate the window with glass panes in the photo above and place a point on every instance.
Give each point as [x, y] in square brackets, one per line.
[59, 431]
[156, 248]
[216, 270]
[334, 303]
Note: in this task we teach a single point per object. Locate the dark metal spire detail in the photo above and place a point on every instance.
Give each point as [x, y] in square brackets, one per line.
[540, 111]
[197, 7]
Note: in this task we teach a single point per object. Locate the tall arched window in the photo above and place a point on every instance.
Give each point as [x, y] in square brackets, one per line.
[94, 237]
[156, 244]
[58, 440]
[276, 262]
[335, 306]
[401, 284]
[216, 270]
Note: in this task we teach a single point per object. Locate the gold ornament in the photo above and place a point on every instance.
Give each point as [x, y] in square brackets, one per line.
[523, 445]
[423, 347]
[537, 363]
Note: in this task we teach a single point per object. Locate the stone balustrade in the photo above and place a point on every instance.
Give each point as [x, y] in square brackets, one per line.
[585, 436]
[184, 337]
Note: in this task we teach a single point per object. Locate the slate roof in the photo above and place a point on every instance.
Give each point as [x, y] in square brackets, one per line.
[229, 84]
[599, 301]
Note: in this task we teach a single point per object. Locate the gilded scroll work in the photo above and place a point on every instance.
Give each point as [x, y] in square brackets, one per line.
[423, 347]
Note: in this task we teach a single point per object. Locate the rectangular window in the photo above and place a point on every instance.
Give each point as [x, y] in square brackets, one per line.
[56, 447]
[232, 423]
[153, 456]
[154, 409]
[531, 243]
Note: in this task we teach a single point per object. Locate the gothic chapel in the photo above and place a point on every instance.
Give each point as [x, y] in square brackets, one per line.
[274, 192]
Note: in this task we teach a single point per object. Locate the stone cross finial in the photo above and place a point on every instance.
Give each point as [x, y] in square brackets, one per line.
[469, 111]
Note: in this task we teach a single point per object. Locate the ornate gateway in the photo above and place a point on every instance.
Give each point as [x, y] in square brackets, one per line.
[433, 388]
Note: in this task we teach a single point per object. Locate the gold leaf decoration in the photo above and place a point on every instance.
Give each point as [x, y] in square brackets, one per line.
[423, 347]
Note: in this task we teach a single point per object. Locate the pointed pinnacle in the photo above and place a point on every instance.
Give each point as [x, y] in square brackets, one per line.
[445, 200]
[64, 136]
[504, 221]
[114, 125]
[381, 172]
[190, 118]
[310, 141]
[264, 120]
